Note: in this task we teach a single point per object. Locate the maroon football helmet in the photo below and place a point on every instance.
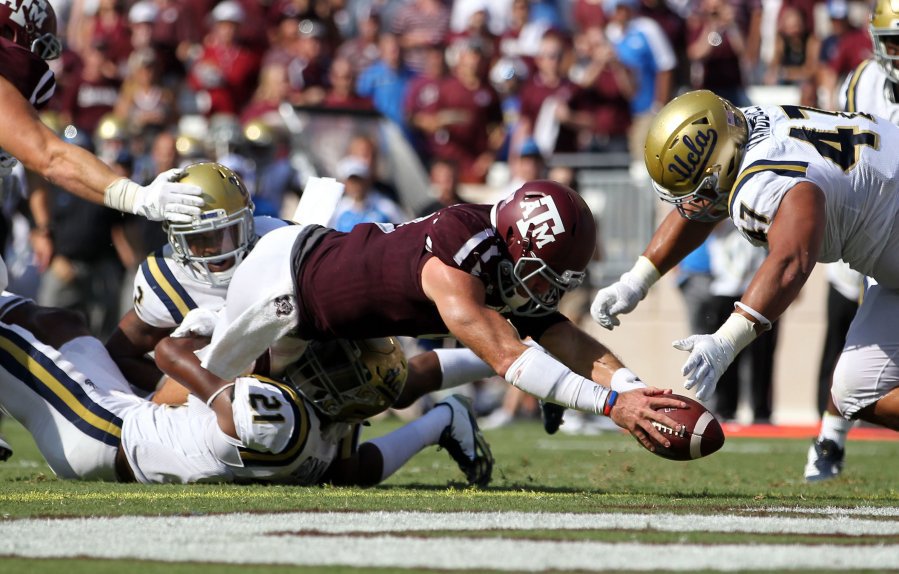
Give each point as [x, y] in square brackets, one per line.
[32, 24]
[551, 236]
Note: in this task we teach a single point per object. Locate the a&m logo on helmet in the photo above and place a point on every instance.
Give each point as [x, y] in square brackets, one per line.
[690, 162]
[36, 12]
[544, 225]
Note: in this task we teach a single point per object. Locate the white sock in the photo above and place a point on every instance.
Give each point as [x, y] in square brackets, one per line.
[835, 428]
[460, 366]
[405, 442]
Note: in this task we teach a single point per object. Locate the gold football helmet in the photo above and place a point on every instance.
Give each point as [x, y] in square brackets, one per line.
[885, 33]
[693, 153]
[351, 380]
[217, 240]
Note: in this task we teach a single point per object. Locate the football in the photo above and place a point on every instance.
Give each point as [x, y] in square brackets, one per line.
[701, 435]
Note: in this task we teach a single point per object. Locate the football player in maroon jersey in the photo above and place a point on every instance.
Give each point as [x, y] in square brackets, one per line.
[488, 275]
[27, 38]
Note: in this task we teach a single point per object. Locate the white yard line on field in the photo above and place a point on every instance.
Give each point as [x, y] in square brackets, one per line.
[358, 539]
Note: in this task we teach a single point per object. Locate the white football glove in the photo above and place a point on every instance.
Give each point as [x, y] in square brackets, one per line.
[710, 355]
[198, 322]
[169, 200]
[623, 295]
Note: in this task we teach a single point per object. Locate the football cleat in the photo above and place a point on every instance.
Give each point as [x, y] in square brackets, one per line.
[5, 450]
[825, 461]
[552, 415]
[463, 440]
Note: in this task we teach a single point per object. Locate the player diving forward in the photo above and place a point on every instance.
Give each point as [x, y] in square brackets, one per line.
[60, 383]
[810, 185]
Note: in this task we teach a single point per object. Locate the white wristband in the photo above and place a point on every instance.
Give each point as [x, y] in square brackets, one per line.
[763, 321]
[738, 331]
[540, 374]
[121, 194]
[215, 395]
[624, 380]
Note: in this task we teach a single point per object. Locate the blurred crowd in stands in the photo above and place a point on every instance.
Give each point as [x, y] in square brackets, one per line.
[474, 85]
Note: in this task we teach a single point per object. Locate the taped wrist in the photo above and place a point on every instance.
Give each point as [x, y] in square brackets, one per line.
[624, 380]
[121, 194]
[539, 374]
[460, 366]
[738, 331]
[641, 276]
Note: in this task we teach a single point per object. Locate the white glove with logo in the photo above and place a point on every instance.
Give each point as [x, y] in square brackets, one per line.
[164, 198]
[710, 355]
[198, 322]
[623, 295]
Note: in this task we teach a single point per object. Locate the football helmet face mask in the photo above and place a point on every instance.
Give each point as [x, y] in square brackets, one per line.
[216, 241]
[550, 233]
[349, 380]
[31, 24]
[693, 153]
[885, 34]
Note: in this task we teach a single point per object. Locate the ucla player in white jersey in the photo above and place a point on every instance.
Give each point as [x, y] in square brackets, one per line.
[809, 185]
[60, 383]
[191, 271]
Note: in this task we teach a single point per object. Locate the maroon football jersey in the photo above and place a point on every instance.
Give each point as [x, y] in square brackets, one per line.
[28, 73]
[367, 283]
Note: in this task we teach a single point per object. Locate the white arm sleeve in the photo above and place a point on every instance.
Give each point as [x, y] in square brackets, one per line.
[460, 366]
[543, 376]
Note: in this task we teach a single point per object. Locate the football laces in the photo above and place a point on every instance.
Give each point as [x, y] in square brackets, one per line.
[668, 430]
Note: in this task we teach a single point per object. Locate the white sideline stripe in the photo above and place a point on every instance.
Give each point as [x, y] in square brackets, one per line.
[279, 539]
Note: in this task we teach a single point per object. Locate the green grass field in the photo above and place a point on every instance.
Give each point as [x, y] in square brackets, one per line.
[605, 474]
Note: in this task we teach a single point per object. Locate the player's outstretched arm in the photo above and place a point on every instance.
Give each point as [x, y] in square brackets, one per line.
[675, 238]
[794, 242]
[25, 137]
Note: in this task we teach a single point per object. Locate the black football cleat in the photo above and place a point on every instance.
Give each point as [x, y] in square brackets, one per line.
[463, 440]
[825, 461]
[552, 415]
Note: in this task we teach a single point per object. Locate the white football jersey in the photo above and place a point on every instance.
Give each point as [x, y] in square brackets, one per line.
[282, 439]
[868, 89]
[853, 159]
[165, 289]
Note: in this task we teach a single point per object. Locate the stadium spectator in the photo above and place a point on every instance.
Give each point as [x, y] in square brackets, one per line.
[427, 120]
[85, 272]
[796, 52]
[271, 92]
[444, 178]
[95, 91]
[361, 203]
[224, 73]
[362, 50]
[522, 35]
[542, 94]
[418, 24]
[341, 90]
[471, 121]
[387, 80]
[364, 147]
[307, 70]
[601, 111]
[642, 46]
[144, 102]
[507, 76]
[715, 47]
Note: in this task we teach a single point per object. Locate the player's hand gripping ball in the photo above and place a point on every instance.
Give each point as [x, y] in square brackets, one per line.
[701, 434]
